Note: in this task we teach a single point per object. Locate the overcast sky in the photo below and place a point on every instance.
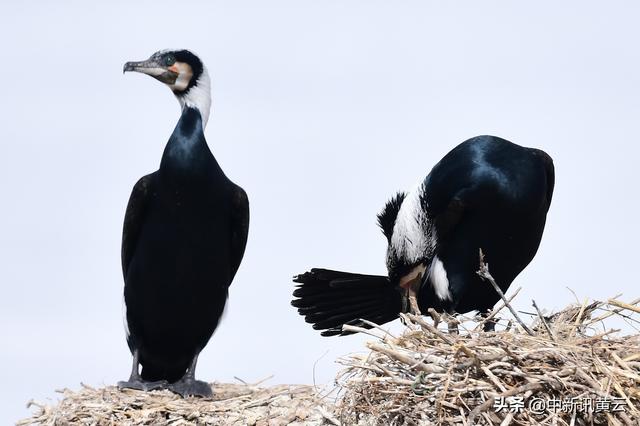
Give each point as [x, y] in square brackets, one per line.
[322, 110]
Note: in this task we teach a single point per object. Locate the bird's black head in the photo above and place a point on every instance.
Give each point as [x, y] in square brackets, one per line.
[178, 69]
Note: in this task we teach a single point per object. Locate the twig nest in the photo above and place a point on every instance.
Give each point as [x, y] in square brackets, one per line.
[231, 405]
[571, 370]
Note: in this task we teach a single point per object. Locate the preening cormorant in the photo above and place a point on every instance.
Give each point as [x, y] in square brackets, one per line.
[488, 194]
[185, 231]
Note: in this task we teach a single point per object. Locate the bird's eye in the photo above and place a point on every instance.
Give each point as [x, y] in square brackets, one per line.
[169, 60]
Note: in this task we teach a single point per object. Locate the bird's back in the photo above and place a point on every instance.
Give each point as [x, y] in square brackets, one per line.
[505, 191]
[487, 170]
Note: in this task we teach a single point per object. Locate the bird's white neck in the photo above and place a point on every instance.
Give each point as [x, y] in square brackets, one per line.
[413, 234]
[199, 97]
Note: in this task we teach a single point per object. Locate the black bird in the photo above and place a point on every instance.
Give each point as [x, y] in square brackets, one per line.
[185, 231]
[487, 193]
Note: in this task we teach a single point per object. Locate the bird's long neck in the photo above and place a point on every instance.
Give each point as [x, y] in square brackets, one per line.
[187, 151]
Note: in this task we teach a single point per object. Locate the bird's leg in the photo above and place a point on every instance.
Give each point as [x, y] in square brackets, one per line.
[452, 324]
[188, 385]
[136, 382]
[489, 324]
[453, 327]
[135, 373]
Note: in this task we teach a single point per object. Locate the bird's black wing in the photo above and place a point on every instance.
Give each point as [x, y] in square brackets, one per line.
[547, 161]
[239, 226]
[447, 219]
[133, 218]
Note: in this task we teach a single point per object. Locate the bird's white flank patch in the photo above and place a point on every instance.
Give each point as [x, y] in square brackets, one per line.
[438, 279]
[124, 317]
[413, 234]
[199, 96]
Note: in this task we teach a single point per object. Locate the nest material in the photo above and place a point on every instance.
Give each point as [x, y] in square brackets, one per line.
[427, 376]
[231, 405]
[564, 369]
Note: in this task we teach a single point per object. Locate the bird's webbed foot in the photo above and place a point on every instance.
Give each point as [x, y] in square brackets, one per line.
[188, 386]
[143, 385]
[136, 382]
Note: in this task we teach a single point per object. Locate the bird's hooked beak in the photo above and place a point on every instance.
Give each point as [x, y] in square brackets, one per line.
[410, 285]
[155, 69]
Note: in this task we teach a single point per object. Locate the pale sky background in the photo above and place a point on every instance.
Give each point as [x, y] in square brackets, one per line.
[322, 110]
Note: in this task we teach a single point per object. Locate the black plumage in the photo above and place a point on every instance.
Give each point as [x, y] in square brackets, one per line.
[487, 193]
[184, 236]
[328, 299]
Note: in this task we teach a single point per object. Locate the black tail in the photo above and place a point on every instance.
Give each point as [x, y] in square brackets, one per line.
[329, 299]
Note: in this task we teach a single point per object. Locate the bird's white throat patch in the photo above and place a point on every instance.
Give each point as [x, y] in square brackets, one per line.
[413, 236]
[199, 96]
[185, 73]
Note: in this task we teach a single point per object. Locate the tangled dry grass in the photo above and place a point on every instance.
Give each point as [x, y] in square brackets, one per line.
[563, 369]
[232, 404]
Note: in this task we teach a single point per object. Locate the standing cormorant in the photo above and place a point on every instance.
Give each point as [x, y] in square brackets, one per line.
[185, 231]
[487, 193]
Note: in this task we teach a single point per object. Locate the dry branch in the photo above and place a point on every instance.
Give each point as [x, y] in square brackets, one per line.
[484, 274]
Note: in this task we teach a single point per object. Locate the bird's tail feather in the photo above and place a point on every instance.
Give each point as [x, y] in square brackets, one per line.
[329, 299]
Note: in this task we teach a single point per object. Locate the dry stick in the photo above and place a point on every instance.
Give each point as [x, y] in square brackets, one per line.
[577, 322]
[619, 360]
[623, 305]
[507, 420]
[497, 310]
[613, 312]
[347, 327]
[484, 273]
[536, 386]
[494, 379]
[329, 417]
[626, 419]
[621, 392]
[378, 327]
[427, 368]
[584, 376]
[612, 420]
[544, 322]
[432, 329]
